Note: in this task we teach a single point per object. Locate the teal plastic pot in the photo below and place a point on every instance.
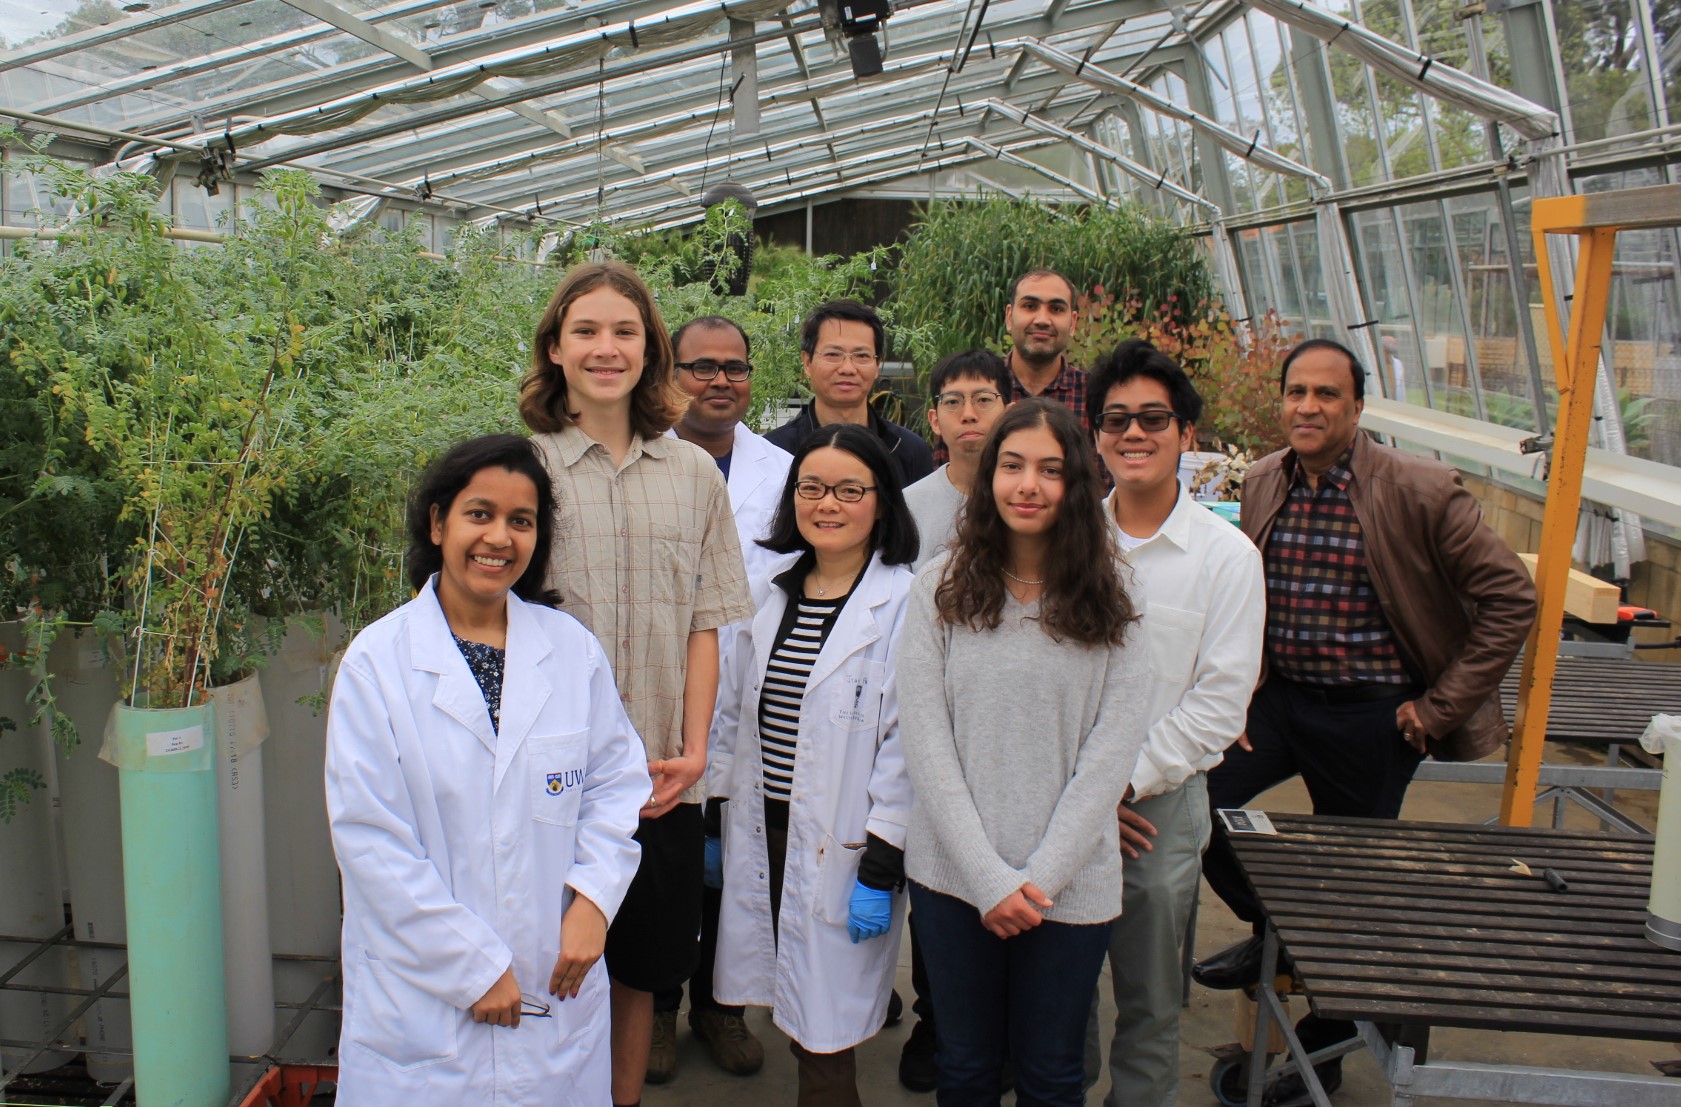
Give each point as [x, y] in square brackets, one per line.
[172, 884]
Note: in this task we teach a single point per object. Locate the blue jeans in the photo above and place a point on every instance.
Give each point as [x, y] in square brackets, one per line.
[1026, 997]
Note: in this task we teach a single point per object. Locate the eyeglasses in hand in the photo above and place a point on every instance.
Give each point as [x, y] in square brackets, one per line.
[1117, 422]
[705, 369]
[530, 1008]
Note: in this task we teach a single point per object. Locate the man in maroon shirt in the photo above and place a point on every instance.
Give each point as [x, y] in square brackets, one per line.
[1040, 318]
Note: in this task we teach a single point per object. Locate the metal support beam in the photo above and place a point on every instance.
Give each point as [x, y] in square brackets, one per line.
[1024, 118]
[1216, 183]
[355, 26]
[1248, 147]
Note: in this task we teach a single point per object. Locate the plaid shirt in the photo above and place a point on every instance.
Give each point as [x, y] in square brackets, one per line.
[1324, 622]
[645, 553]
[1068, 388]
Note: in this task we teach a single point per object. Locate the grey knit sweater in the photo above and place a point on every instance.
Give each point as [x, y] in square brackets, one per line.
[1019, 749]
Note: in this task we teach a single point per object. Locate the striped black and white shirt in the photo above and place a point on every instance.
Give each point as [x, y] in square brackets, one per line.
[805, 627]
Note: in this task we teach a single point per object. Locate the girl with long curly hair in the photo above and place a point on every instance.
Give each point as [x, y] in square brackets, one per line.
[1022, 709]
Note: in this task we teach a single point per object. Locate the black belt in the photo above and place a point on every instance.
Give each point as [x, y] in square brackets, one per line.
[1350, 693]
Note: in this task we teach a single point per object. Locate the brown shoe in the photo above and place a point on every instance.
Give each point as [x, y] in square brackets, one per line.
[728, 1040]
[662, 1055]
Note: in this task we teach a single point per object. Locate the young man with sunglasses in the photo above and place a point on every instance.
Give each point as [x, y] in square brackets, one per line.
[713, 370]
[841, 346]
[1199, 584]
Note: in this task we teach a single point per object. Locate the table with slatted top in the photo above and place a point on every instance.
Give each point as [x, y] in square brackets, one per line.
[1408, 926]
[1602, 701]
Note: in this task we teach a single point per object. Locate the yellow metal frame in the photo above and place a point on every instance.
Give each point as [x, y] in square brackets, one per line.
[1595, 220]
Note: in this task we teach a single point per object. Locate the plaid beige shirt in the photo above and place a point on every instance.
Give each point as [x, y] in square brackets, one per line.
[643, 556]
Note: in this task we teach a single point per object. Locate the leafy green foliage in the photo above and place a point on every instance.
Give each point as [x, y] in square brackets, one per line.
[953, 279]
[201, 444]
[15, 786]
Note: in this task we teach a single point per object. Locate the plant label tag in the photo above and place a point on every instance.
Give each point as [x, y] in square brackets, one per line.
[1246, 821]
[164, 742]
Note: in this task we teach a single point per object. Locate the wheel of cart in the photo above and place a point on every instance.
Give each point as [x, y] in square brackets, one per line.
[1229, 1076]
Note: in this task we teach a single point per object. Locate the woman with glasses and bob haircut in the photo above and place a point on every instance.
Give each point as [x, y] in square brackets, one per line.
[476, 746]
[809, 762]
[1022, 698]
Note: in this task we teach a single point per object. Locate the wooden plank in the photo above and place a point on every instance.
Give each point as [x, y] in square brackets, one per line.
[1414, 1013]
[1584, 878]
[1542, 903]
[1496, 986]
[1584, 875]
[1480, 957]
[1631, 947]
[1286, 913]
[1587, 598]
[1458, 994]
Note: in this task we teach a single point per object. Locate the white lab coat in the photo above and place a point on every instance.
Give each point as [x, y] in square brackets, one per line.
[758, 472]
[849, 780]
[460, 849]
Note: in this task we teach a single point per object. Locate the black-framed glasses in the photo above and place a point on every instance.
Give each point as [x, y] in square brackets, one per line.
[705, 369]
[1117, 422]
[810, 488]
[530, 1008]
[952, 402]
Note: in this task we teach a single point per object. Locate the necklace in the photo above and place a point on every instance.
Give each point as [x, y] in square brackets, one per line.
[823, 590]
[1013, 577]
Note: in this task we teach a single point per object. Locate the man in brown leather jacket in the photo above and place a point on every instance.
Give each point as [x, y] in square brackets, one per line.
[1392, 613]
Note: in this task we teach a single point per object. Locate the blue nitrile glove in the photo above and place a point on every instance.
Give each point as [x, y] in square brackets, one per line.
[869, 913]
[713, 872]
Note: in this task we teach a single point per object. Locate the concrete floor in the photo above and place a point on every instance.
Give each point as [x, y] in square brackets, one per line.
[1208, 1021]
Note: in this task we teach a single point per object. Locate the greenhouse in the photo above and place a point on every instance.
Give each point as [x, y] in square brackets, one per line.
[264, 262]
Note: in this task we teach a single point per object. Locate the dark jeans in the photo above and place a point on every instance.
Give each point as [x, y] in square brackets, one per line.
[1027, 997]
[1352, 758]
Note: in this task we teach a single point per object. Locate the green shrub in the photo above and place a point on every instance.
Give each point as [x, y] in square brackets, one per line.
[953, 279]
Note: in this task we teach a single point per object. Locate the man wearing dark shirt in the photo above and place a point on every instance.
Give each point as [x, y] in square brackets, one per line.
[841, 346]
[1392, 613]
[1040, 319]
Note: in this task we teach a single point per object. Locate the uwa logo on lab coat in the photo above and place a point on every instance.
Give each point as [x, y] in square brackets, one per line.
[558, 783]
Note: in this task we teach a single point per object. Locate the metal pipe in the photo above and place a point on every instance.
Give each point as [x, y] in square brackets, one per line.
[103, 132]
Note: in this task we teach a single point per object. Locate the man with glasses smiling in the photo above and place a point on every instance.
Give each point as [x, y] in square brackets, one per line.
[841, 347]
[713, 370]
[1199, 584]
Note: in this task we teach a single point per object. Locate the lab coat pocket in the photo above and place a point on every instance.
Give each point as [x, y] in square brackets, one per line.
[404, 1026]
[837, 872]
[557, 766]
[855, 702]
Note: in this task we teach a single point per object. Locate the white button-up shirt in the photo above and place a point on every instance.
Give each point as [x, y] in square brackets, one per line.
[1201, 588]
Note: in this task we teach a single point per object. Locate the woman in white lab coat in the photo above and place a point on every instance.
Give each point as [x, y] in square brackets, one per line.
[483, 784]
[817, 796]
